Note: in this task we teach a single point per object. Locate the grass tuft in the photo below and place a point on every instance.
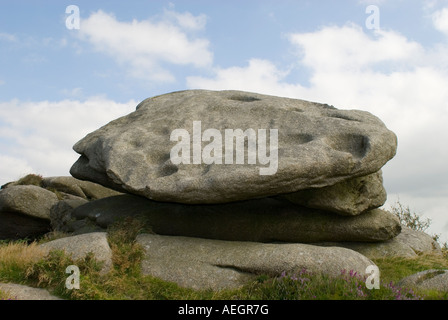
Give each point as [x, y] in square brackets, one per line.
[30, 179]
[15, 257]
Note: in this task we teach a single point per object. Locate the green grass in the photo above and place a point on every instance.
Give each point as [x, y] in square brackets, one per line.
[23, 263]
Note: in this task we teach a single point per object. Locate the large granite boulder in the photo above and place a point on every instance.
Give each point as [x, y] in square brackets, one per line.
[214, 264]
[186, 147]
[25, 212]
[28, 200]
[79, 246]
[433, 279]
[33, 205]
[262, 220]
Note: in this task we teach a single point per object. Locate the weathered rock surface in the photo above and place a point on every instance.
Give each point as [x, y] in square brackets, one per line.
[350, 197]
[79, 246]
[202, 263]
[409, 243]
[427, 280]
[318, 146]
[83, 189]
[29, 200]
[262, 220]
[21, 292]
[28, 205]
[61, 213]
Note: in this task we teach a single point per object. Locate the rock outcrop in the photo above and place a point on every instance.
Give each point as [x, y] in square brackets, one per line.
[31, 201]
[311, 145]
[261, 220]
[433, 279]
[215, 264]
[232, 184]
[79, 246]
[28, 211]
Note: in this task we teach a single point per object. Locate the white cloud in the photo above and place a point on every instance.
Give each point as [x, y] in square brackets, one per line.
[186, 20]
[8, 37]
[13, 168]
[386, 74]
[440, 20]
[259, 76]
[348, 48]
[37, 137]
[144, 46]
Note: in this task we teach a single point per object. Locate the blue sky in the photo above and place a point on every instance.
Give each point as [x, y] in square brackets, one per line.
[58, 84]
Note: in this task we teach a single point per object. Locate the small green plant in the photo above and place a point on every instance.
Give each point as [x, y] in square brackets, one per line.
[31, 179]
[410, 219]
[15, 257]
[49, 273]
[414, 221]
[126, 253]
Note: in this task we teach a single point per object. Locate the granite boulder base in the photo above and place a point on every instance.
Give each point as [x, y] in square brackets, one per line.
[259, 220]
[28, 207]
[215, 264]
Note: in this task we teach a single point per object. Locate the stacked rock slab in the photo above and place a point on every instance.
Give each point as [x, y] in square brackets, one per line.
[318, 146]
[261, 220]
[223, 168]
[34, 206]
[240, 167]
[181, 151]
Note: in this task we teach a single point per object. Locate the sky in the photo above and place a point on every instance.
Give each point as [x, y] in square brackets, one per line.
[70, 67]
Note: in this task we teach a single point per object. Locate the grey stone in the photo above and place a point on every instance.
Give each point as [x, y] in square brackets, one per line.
[420, 242]
[262, 220]
[61, 213]
[79, 246]
[203, 264]
[318, 146]
[29, 200]
[84, 189]
[427, 280]
[15, 226]
[22, 292]
[409, 243]
[350, 197]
